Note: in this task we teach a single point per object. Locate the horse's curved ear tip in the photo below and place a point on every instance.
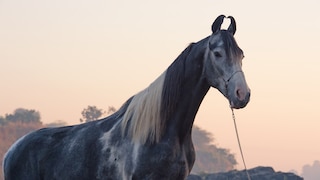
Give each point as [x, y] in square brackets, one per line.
[230, 17]
[216, 25]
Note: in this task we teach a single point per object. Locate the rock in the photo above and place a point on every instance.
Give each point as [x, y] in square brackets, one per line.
[194, 177]
[258, 173]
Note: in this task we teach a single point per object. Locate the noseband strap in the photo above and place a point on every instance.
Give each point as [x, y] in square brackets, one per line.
[227, 81]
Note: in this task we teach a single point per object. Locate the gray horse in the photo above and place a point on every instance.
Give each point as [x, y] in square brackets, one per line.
[149, 137]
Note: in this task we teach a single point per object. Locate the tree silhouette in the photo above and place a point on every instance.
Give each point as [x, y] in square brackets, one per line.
[3, 121]
[91, 113]
[57, 123]
[22, 115]
[111, 109]
[209, 157]
[311, 172]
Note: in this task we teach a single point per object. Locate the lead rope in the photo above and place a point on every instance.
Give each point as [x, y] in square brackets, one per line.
[235, 127]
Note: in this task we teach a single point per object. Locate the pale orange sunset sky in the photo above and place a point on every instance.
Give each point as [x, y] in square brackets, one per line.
[60, 56]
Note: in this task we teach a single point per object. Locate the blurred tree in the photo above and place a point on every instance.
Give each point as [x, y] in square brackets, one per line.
[91, 113]
[111, 109]
[311, 172]
[209, 157]
[57, 123]
[3, 121]
[24, 116]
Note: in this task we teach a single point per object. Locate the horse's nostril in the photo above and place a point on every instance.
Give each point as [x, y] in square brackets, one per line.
[240, 94]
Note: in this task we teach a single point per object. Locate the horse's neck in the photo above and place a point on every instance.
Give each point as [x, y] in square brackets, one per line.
[188, 107]
[192, 90]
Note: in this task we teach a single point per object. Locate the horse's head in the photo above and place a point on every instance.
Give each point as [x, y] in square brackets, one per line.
[223, 64]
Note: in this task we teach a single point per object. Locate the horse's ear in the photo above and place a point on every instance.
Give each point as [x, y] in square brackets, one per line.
[232, 27]
[217, 24]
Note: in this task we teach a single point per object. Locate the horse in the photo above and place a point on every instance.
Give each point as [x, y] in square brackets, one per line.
[149, 137]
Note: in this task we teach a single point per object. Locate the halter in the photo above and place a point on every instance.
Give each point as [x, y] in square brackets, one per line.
[226, 82]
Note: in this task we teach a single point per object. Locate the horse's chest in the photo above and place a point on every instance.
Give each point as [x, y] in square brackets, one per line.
[162, 162]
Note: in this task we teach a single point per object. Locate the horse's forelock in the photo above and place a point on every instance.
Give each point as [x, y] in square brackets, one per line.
[230, 44]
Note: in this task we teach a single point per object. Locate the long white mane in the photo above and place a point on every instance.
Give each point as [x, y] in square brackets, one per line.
[142, 119]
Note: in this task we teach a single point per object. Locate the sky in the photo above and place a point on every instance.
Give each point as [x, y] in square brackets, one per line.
[60, 56]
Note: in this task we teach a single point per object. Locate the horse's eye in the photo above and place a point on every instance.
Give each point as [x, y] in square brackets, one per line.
[217, 54]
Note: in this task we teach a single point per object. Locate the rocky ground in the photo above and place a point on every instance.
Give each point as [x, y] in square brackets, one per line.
[258, 173]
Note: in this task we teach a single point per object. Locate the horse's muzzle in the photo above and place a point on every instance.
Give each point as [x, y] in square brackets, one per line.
[240, 101]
